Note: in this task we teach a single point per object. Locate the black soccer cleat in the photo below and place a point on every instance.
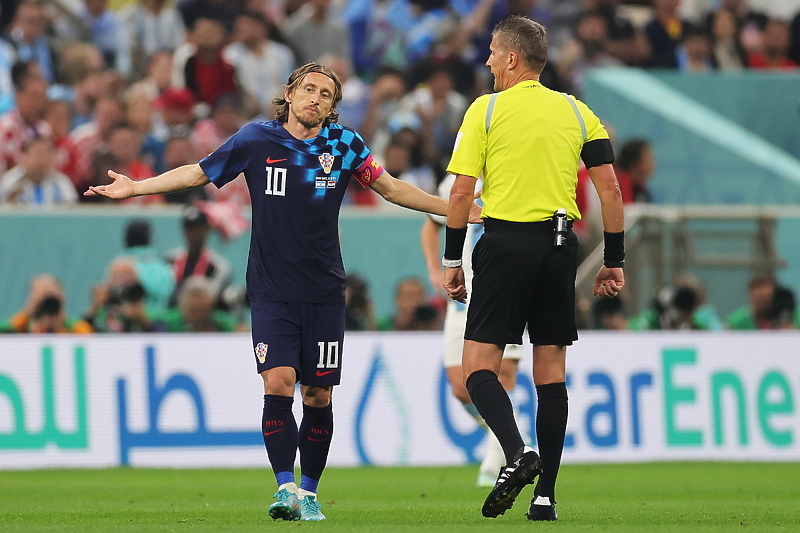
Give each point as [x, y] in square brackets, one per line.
[512, 479]
[542, 509]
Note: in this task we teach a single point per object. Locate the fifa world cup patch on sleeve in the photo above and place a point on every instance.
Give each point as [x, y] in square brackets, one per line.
[368, 172]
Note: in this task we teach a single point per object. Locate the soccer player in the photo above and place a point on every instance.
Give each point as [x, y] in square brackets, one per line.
[297, 168]
[526, 140]
[455, 322]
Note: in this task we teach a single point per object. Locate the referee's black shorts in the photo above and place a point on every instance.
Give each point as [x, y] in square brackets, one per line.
[520, 278]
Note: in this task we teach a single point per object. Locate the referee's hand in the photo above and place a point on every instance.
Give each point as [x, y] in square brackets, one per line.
[453, 283]
[608, 282]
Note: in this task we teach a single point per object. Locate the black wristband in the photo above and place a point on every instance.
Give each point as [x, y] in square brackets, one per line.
[614, 251]
[454, 242]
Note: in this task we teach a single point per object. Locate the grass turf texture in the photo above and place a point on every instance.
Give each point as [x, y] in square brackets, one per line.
[637, 497]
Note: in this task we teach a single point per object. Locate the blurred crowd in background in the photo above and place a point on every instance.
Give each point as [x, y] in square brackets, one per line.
[145, 86]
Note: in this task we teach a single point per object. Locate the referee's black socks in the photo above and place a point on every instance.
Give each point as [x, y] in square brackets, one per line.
[492, 402]
[551, 428]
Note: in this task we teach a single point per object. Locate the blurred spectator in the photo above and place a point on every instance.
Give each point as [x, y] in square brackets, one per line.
[82, 67]
[440, 110]
[726, 49]
[205, 72]
[195, 311]
[124, 148]
[359, 314]
[35, 182]
[222, 10]
[127, 313]
[121, 272]
[224, 121]
[198, 259]
[664, 32]
[450, 53]
[151, 26]
[45, 310]
[609, 314]
[384, 97]
[28, 37]
[7, 58]
[262, 64]
[152, 272]
[58, 118]
[587, 50]
[355, 93]
[412, 311]
[105, 28]
[157, 79]
[794, 47]
[176, 113]
[377, 29]
[25, 121]
[767, 308]
[677, 307]
[635, 165]
[694, 52]
[431, 21]
[397, 160]
[774, 53]
[625, 42]
[330, 36]
[92, 138]
[782, 312]
[139, 114]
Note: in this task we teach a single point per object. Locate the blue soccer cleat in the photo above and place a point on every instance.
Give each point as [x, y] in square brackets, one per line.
[286, 506]
[311, 510]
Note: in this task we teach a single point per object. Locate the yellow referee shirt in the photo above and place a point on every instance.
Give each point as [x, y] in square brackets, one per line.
[526, 142]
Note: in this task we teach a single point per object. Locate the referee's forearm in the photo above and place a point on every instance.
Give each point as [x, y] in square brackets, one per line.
[461, 196]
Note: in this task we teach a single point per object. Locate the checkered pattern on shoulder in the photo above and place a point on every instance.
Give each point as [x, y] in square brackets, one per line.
[347, 143]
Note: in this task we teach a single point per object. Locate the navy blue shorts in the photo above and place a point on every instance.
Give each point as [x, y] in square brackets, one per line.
[307, 337]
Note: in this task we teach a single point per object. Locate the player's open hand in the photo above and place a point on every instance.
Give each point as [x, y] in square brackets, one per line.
[608, 282]
[119, 189]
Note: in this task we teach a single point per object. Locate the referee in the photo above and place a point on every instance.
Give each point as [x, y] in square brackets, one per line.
[526, 141]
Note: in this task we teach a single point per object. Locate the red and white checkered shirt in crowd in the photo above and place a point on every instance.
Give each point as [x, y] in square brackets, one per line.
[14, 132]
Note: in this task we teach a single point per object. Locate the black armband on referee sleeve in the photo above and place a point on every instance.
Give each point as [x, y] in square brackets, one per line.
[614, 251]
[454, 242]
[597, 152]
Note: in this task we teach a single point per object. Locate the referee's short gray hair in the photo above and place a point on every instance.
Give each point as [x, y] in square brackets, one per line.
[527, 37]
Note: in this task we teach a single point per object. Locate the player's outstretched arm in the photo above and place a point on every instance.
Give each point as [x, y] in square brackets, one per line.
[406, 195]
[178, 179]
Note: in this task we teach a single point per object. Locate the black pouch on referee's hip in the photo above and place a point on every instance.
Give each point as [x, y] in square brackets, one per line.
[560, 228]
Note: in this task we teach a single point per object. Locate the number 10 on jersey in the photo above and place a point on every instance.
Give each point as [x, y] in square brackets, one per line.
[276, 181]
[328, 354]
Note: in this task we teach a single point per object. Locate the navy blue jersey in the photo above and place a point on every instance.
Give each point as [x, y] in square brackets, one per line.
[296, 190]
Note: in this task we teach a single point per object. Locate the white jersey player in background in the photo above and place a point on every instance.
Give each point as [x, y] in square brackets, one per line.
[455, 323]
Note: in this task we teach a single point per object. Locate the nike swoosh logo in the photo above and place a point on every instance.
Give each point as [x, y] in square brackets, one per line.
[320, 374]
[317, 440]
[269, 160]
[271, 432]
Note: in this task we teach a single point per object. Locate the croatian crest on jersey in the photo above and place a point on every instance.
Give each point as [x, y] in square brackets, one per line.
[326, 160]
[261, 352]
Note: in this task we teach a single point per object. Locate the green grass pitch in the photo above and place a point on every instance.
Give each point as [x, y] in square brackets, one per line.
[632, 497]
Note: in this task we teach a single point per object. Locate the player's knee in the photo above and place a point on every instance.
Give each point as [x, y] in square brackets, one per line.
[316, 396]
[279, 381]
